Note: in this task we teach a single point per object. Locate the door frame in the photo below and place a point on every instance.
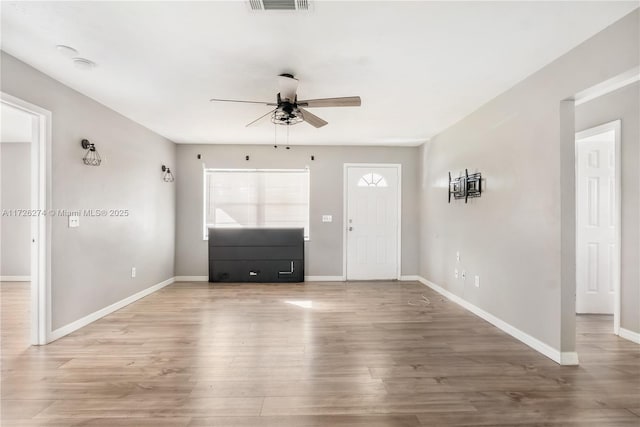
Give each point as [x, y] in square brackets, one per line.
[41, 220]
[615, 126]
[345, 196]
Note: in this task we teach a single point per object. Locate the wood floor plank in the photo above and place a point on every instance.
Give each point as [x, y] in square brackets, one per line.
[362, 354]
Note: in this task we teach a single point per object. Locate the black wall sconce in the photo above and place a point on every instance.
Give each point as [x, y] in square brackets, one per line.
[168, 176]
[91, 157]
[465, 186]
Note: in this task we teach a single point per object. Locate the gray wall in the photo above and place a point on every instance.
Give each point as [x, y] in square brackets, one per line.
[91, 265]
[623, 104]
[512, 236]
[324, 250]
[15, 231]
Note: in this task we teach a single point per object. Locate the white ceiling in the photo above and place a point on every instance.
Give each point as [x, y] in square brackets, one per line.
[15, 125]
[418, 66]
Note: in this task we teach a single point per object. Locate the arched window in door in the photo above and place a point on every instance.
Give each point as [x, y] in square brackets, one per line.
[372, 179]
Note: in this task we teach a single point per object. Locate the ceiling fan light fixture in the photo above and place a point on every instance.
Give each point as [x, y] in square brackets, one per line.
[281, 117]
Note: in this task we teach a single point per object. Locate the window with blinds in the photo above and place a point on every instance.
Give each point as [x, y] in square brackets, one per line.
[270, 198]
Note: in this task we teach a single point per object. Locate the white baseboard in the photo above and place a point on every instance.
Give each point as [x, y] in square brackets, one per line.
[567, 358]
[410, 278]
[192, 278]
[15, 278]
[629, 335]
[74, 326]
[324, 278]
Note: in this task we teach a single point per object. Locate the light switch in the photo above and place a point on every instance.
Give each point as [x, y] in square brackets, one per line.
[74, 221]
[327, 218]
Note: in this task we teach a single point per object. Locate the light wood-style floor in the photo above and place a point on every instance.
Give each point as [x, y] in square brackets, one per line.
[320, 354]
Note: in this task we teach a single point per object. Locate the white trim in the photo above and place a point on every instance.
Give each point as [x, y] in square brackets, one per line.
[41, 200]
[409, 278]
[615, 126]
[192, 278]
[15, 278]
[608, 86]
[241, 170]
[205, 229]
[629, 335]
[324, 278]
[84, 321]
[345, 194]
[534, 343]
[569, 358]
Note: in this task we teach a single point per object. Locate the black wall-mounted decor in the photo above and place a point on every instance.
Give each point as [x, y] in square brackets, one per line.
[256, 255]
[456, 187]
[465, 186]
[474, 184]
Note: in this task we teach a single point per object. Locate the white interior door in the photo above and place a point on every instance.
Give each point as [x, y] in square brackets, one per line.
[372, 222]
[596, 240]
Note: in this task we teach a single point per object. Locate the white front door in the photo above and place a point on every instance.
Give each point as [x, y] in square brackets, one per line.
[372, 222]
[596, 251]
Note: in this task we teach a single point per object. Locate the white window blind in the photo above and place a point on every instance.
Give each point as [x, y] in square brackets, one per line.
[267, 198]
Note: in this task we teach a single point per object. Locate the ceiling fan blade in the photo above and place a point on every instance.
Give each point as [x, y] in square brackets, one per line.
[312, 119]
[261, 117]
[244, 102]
[346, 101]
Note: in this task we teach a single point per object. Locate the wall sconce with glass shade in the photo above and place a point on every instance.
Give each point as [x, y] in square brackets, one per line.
[168, 176]
[91, 157]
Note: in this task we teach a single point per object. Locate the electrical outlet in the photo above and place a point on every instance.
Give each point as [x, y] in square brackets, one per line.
[458, 256]
[74, 221]
[477, 281]
[133, 272]
[464, 275]
[455, 273]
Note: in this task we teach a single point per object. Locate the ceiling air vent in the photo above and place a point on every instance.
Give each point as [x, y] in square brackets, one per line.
[279, 4]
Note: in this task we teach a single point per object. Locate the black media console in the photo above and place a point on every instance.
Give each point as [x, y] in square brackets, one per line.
[256, 255]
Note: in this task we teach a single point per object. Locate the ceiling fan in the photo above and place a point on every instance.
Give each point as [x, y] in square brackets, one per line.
[289, 111]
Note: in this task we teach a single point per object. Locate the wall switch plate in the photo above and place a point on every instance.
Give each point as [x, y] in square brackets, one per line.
[74, 221]
[464, 275]
[133, 272]
[458, 256]
[455, 273]
[477, 281]
[327, 218]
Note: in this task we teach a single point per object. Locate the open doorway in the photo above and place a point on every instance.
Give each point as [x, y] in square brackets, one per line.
[16, 137]
[24, 248]
[598, 225]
